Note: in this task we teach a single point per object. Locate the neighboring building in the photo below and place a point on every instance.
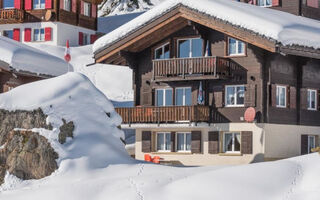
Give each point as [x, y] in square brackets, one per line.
[305, 8]
[20, 64]
[49, 21]
[269, 63]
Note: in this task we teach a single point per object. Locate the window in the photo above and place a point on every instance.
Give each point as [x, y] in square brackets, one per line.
[235, 95]
[67, 5]
[162, 52]
[231, 142]
[311, 143]
[8, 4]
[8, 34]
[39, 4]
[264, 3]
[235, 47]
[164, 97]
[188, 48]
[38, 34]
[312, 99]
[163, 141]
[86, 39]
[281, 96]
[87, 9]
[183, 142]
[183, 96]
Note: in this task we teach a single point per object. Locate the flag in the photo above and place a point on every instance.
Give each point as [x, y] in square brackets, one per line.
[200, 95]
[67, 56]
[208, 49]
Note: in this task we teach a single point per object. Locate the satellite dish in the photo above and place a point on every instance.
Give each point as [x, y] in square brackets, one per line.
[48, 15]
[250, 114]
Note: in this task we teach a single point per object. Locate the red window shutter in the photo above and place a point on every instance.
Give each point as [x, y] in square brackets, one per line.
[27, 35]
[17, 4]
[74, 6]
[313, 3]
[47, 34]
[82, 8]
[16, 34]
[93, 38]
[80, 38]
[48, 4]
[28, 4]
[94, 10]
[275, 2]
[61, 4]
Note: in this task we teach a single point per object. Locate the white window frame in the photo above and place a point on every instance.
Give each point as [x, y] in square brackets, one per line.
[162, 49]
[87, 9]
[237, 47]
[233, 139]
[235, 95]
[310, 91]
[161, 150]
[67, 5]
[40, 39]
[164, 96]
[185, 142]
[285, 96]
[190, 47]
[38, 4]
[184, 95]
[314, 142]
[265, 4]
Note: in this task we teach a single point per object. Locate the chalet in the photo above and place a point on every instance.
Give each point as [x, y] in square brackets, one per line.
[49, 21]
[21, 64]
[198, 67]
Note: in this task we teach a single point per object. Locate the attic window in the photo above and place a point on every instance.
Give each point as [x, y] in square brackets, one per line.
[235, 47]
[162, 52]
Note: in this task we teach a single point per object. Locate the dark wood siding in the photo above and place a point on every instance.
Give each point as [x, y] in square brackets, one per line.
[304, 144]
[196, 142]
[214, 142]
[146, 141]
[246, 142]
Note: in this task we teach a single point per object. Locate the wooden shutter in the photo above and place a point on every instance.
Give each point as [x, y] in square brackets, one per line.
[246, 142]
[27, 34]
[74, 6]
[275, 2]
[293, 97]
[48, 4]
[17, 4]
[146, 141]
[214, 142]
[81, 7]
[196, 141]
[173, 141]
[304, 144]
[48, 34]
[80, 38]
[304, 98]
[93, 38]
[94, 10]
[274, 95]
[28, 4]
[250, 96]
[16, 34]
[317, 140]
[153, 141]
[218, 99]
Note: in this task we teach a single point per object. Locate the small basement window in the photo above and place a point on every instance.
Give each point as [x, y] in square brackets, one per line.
[235, 47]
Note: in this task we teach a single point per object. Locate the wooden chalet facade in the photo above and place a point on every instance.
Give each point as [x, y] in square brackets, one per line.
[50, 21]
[174, 54]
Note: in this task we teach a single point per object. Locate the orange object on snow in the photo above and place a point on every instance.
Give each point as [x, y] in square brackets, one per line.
[147, 158]
[156, 160]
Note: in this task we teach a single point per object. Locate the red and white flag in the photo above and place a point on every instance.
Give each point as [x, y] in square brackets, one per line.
[67, 56]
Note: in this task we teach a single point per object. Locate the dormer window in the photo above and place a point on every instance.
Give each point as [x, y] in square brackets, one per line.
[264, 3]
[236, 47]
[39, 4]
[162, 52]
[190, 48]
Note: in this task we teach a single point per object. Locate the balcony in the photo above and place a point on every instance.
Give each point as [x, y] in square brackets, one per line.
[11, 16]
[178, 69]
[169, 114]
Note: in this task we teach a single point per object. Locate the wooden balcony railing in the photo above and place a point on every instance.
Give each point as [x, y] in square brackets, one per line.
[184, 68]
[164, 114]
[11, 15]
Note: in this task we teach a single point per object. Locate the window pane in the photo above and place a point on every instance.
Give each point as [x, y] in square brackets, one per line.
[168, 141]
[8, 34]
[8, 4]
[158, 54]
[230, 96]
[311, 143]
[197, 47]
[184, 48]
[168, 97]
[179, 97]
[237, 142]
[166, 52]
[188, 97]
[180, 141]
[160, 141]
[160, 98]
[188, 141]
[240, 47]
[282, 96]
[240, 95]
[313, 99]
[268, 2]
[228, 142]
[232, 46]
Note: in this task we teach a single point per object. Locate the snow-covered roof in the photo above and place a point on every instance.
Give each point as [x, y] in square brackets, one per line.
[23, 58]
[281, 27]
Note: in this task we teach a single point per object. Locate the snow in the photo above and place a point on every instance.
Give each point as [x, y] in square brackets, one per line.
[18, 55]
[282, 27]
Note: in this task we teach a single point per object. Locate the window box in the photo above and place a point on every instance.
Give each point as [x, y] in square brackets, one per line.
[281, 96]
[236, 47]
[312, 99]
[234, 96]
